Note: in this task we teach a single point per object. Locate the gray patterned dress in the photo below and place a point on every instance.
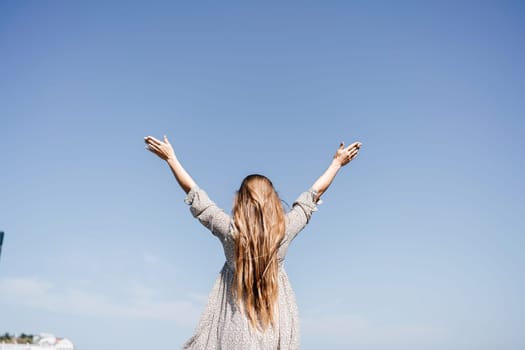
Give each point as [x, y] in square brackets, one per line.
[223, 325]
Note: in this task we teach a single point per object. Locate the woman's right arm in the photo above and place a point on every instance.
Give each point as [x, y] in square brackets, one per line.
[165, 151]
[201, 206]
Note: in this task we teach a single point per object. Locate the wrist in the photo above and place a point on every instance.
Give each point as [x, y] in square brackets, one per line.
[171, 161]
[336, 164]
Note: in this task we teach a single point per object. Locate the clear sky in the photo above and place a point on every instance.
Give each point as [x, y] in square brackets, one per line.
[419, 242]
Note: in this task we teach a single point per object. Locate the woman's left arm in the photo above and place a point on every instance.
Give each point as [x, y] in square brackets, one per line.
[342, 157]
[165, 151]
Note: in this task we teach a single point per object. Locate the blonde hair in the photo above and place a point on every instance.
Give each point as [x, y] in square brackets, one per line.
[259, 230]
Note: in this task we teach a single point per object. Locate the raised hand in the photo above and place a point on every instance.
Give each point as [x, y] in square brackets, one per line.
[161, 149]
[344, 155]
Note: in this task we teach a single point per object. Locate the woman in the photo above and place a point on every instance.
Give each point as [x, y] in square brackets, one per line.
[252, 304]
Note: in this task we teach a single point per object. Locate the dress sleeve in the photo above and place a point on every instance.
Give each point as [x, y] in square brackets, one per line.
[208, 213]
[301, 212]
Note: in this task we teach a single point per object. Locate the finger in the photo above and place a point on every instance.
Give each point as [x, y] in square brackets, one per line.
[150, 149]
[355, 148]
[153, 148]
[342, 145]
[351, 149]
[166, 139]
[355, 145]
[156, 152]
[153, 140]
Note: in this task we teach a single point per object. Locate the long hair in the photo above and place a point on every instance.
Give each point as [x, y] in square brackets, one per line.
[259, 230]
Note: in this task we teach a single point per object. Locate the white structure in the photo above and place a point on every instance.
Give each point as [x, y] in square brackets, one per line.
[44, 341]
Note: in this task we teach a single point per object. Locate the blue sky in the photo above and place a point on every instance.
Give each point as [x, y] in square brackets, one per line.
[418, 244]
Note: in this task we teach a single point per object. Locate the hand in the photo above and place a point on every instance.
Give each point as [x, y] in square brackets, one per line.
[344, 155]
[161, 149]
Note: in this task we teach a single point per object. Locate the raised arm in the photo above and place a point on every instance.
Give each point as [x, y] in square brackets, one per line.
[165, 152]
[342, 156]
[201, 206]
[299, 215]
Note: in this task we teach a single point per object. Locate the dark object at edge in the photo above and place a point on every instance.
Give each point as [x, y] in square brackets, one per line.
[1, 241]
